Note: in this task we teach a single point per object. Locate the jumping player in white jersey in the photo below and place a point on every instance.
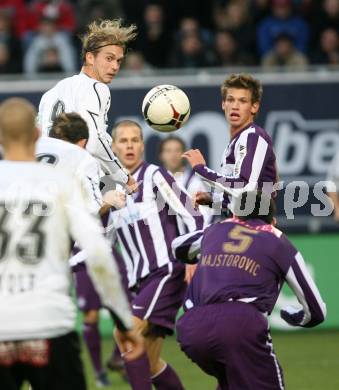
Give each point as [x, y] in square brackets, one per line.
[87, 93]
[41, 209]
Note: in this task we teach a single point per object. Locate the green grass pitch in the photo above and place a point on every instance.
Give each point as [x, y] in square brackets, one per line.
[310, 360]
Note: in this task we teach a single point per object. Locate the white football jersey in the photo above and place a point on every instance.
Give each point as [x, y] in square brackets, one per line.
[41, 209]
[91, 99]
[75, 160]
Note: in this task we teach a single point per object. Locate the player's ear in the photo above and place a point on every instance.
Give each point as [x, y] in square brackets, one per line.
[82, 143]
[223, 105]
[255, 108]
[37, 134]
[89, 57]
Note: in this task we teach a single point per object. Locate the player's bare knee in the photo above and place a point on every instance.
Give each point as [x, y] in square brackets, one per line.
[141, 326]
[91, 317]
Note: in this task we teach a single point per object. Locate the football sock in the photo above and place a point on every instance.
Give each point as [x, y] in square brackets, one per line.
[167, 379]
[92, 340]
[139, 374]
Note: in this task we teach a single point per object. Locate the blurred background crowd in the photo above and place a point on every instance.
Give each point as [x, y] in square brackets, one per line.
[43, 35]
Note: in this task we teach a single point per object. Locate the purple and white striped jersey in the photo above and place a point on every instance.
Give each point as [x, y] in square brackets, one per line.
[148, 223]
[249, 261]
[247, 163]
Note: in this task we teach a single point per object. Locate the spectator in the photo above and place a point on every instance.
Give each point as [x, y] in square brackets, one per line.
[47, 38]
[259, 9]
[191, 26]
[282, 21]
[11, 55]
[154, 39]
[235, 18]
[59, 10]
[192, 54]
[284, 53]
[328, 52]
[135, 62]
[327, 17]
[228, 51]
[16, 11]
[50, 61]
[5, 66]
[89, 10]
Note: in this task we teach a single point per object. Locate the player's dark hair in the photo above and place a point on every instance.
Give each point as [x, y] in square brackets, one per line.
[175, 138]
[125, 123]
[243, 81]
[264, 206]
[69, 127]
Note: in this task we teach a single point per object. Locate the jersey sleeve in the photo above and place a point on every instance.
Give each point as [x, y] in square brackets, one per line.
[177, 199]
[89, 171]
[298, 278]
[85, 229]
[187, 247]
[94, 108]
[195, 185]
[251, 152]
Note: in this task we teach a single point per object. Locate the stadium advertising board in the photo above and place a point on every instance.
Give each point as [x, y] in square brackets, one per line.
[302, 118]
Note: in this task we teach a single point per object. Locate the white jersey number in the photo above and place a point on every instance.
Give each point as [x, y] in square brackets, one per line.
[30, 248]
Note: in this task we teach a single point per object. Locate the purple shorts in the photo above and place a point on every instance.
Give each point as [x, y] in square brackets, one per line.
[231, 342]
[160, 295]
[87, 297]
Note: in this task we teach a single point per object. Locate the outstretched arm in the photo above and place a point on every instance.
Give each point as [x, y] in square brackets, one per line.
[313, 310]
[250, 156]
[186, 247]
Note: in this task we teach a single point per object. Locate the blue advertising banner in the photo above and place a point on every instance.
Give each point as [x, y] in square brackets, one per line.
[301, 116]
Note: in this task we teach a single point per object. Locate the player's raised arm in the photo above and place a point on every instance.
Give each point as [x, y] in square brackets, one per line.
[186, 247]
[248, 162]
[298, 278]
[251, 152]
[178, 199]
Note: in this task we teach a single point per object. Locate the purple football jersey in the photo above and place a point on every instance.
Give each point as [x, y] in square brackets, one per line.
[248, 160]
[247, 261]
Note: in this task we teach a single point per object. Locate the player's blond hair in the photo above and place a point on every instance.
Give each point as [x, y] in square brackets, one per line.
[243, 81]
[106, 32]
[125, 123]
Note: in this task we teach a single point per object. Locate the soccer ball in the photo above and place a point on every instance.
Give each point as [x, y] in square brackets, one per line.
[166, 108]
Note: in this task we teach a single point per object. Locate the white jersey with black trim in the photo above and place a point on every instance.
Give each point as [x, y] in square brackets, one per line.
[91, 99]
[71, 158]
[41, 209]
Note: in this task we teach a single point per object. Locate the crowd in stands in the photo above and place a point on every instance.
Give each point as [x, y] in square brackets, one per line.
[43, 35]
